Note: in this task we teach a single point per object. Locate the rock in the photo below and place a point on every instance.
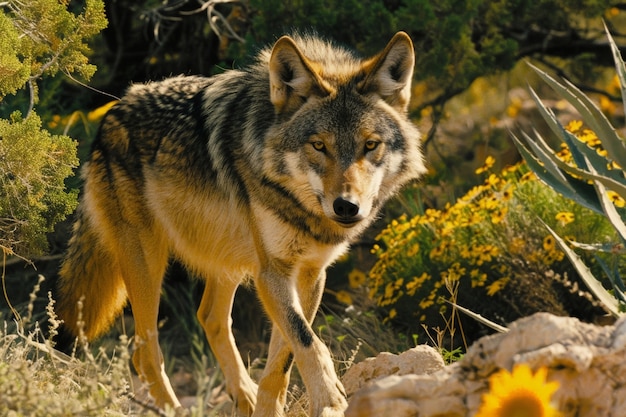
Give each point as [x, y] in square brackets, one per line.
[587, 360]
[419, 360]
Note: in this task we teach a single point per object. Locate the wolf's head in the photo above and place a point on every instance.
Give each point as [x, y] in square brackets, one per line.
[343, 142]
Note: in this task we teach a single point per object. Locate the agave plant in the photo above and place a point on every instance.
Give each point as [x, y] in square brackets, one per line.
[590, 179]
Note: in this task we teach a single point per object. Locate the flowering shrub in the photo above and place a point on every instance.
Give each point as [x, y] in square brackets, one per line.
[487, 252]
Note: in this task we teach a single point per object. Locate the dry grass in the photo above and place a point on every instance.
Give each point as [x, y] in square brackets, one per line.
[97, 378]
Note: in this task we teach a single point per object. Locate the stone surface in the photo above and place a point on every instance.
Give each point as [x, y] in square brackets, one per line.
[419, 360]
[589, 362]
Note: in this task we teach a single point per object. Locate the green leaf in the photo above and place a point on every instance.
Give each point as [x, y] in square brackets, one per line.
[572, 188]
[614, 277]
[595, 286]
[619, 65]
[591, 175]
[591, 114]
[609, 208]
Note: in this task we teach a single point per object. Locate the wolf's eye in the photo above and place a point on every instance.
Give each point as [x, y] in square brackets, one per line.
[318, 145]
[370, 145]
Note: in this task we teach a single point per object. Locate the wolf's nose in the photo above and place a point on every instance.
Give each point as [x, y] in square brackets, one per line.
[345, 208]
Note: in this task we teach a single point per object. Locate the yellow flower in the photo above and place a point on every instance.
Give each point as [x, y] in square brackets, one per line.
[574, 126]
[413, 250]
[484, 253]
[606, 105]
[513, 109]
[356, 278]
[438, 251]
[497, 286]
[499, 215]
[564, 217]
[548, 243]
[589, 137]
[478, 278]
[416, 283]
[519, 394]
[343, 297]
[492, 181]
[489, 161]
[529, 176]
[616, 199]
[611, 12]
[517, 245]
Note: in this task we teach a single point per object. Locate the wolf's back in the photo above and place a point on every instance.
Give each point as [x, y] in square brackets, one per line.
[156, 135]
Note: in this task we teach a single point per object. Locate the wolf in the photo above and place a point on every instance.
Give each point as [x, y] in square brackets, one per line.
[268, 172]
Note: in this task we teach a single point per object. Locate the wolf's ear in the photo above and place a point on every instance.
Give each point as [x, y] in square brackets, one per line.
[293, 77]
[389, 73]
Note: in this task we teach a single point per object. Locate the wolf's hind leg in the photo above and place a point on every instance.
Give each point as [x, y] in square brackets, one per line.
[214, 314]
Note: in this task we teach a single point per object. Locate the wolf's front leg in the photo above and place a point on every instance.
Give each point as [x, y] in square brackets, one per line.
[275, 379]
[291, 304]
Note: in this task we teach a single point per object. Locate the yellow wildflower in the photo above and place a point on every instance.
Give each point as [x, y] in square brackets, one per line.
[564, 217]
[519, 394]
[517, 245]
[607, 105]
[492, 181]
[478, 278]
[416, 283]
[344, 297]
[574, 126]
[499, 215]
[489, 161]
[589, 137]
[549, 243]
[356, 278]
[485, 253]
[496, 286]
[529, 176]
[616, 199]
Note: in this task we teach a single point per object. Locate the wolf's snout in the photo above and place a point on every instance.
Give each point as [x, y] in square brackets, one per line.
[345, 209]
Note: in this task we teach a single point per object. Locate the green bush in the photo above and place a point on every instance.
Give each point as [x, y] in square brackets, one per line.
[33, 167]
[39, 38]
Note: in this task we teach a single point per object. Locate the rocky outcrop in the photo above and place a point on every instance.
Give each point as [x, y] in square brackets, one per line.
[588, 361]
[420, 360]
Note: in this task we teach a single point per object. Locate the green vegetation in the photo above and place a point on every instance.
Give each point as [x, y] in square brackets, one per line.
[592, 175]
[37, 39]
[486, 252]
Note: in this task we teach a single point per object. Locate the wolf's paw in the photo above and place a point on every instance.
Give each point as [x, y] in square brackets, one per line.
[245, 398]
[332, 412]
[336, 407]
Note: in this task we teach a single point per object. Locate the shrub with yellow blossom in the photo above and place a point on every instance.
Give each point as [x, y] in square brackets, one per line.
[487, 251]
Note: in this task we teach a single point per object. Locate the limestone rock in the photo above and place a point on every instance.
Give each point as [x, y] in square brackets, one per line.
[419, 360]
[587, 360]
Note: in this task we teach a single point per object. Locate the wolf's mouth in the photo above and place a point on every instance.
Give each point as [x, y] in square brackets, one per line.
[347, 222]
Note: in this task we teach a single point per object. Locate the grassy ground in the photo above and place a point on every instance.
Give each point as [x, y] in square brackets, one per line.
[98, 379]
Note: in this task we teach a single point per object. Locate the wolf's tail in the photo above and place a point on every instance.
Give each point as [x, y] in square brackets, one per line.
[91, 291]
